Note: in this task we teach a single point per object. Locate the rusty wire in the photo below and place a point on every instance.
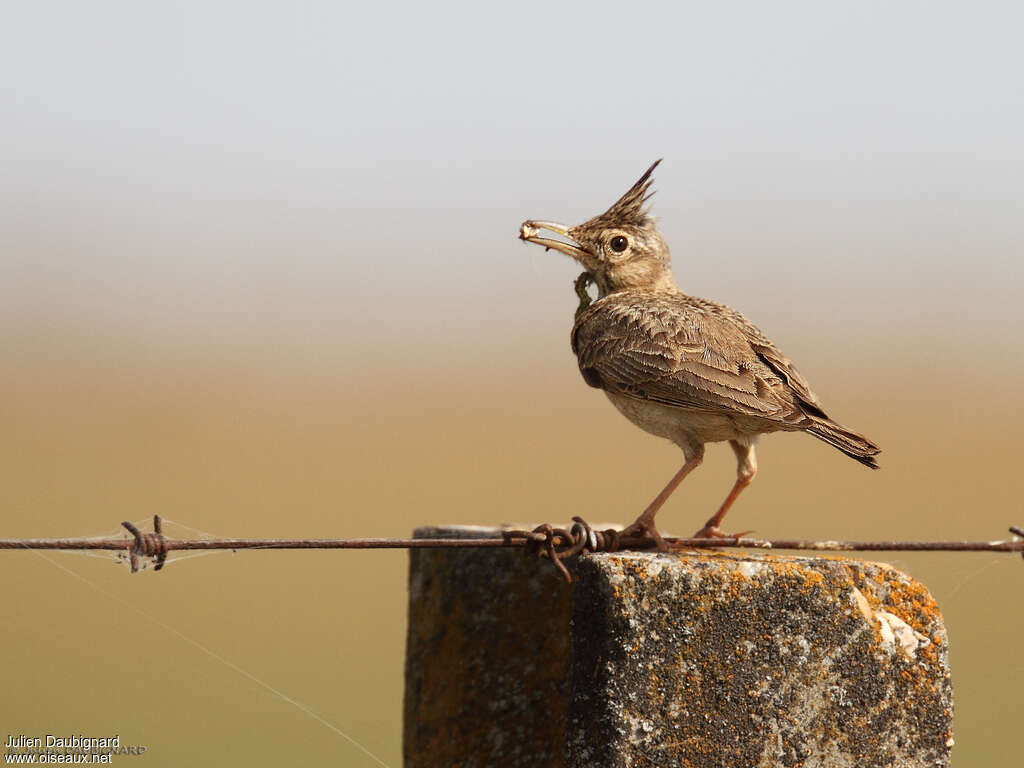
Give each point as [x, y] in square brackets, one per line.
[553, 543]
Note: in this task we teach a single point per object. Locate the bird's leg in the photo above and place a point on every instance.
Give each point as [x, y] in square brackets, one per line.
[644, 525]
[746, 468]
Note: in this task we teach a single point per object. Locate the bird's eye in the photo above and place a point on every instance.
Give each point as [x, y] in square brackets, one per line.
[618, 243]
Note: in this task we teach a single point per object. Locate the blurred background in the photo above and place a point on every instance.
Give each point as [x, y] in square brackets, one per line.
[259, 274]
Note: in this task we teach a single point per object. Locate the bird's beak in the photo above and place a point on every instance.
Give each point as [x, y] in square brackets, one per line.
[529, 232]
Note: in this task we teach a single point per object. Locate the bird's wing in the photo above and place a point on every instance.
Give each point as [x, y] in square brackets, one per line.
[772, 357]
[685, 352]
[782, 367]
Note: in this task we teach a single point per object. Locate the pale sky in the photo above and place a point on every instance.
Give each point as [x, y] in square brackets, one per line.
[195, 168]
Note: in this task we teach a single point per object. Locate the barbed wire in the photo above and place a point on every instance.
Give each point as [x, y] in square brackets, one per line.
[554, 543]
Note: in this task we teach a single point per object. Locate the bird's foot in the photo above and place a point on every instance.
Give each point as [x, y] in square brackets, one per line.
[645, 528]
[714, 532]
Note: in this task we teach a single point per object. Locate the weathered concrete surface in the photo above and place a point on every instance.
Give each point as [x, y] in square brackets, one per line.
[733, 660]
[487, 657]
[671, 660]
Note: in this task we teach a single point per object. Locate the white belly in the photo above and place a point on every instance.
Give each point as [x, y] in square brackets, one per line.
[683, 426]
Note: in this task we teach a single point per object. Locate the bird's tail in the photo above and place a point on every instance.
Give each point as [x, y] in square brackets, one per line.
[853, 445]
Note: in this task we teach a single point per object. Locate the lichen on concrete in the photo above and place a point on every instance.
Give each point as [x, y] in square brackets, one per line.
[737, 660]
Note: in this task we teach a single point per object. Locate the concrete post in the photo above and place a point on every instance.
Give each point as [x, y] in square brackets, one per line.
[702, 659]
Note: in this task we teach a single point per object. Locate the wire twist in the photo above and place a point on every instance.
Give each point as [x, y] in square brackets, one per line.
[558, 544]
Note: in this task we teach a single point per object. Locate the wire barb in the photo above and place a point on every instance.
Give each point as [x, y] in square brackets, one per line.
[1016, 530]
[147, 545]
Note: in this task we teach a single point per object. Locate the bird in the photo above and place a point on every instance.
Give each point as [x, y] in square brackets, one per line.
[679, 367]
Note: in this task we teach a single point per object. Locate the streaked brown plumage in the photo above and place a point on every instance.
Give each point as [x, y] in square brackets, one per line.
[683, 368]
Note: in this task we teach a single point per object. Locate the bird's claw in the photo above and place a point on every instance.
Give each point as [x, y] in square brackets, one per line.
[714, 532]
[646, 529]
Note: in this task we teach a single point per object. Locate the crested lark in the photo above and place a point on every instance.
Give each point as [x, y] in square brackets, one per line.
[686, 369]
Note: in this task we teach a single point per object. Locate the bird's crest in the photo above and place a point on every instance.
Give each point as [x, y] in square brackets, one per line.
[631, 208]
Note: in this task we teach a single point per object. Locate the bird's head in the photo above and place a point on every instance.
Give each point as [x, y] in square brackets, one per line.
[622, 248]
